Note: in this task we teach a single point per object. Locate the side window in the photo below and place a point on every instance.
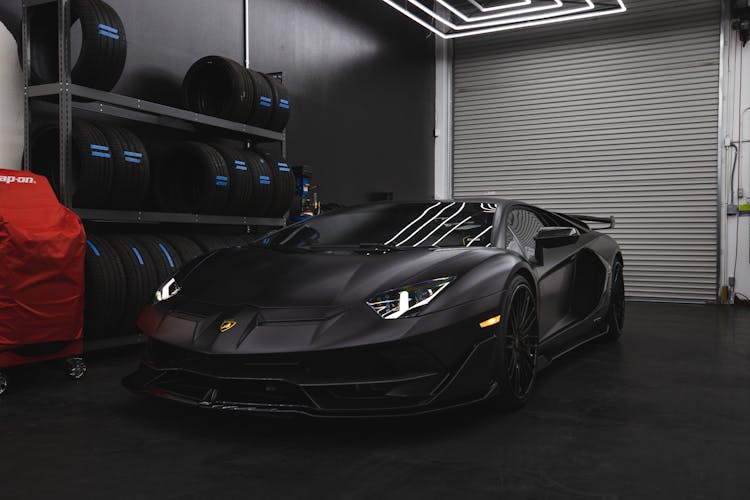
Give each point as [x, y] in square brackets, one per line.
[522, 226]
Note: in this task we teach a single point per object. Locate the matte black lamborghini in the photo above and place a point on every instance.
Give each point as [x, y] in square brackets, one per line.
[384, 309]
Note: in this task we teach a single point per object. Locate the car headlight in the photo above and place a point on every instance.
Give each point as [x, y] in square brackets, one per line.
[395, 303]
[169, 289]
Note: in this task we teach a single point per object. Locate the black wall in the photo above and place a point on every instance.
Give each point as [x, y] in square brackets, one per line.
[361, 80]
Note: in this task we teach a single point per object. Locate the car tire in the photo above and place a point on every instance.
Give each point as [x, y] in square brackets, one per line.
[262, 107]
[187, 249]
[130, 181]
[282, 181]
[103, 46]
[140, 275]
[105, 288]
[93, 167]
[616, 312]
[262, 178]
[516, 353]
[240, 179]
[281, 107]
[165, 258]
[192, 177]
[221, 87]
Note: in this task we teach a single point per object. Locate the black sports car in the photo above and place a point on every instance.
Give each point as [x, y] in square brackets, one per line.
[384, 309]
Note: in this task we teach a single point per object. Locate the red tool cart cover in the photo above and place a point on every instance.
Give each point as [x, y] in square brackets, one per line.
[42, 252]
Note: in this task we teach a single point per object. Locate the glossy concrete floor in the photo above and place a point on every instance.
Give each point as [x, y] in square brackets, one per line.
[663, 414]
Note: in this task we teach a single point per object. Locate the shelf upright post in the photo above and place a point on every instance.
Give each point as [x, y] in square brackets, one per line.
[65, 113]
[26, 63]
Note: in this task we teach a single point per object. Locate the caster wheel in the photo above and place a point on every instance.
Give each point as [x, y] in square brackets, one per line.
[75, 367]
[3, 384]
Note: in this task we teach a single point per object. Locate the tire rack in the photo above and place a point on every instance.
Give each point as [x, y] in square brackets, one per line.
[129, 108]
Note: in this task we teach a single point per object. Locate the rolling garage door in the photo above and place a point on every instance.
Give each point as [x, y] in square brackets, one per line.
[614, 116]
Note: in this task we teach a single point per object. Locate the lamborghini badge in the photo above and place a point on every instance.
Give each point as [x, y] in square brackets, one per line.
[227, 324]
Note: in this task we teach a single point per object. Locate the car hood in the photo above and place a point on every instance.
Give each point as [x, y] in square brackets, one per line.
[266, 277]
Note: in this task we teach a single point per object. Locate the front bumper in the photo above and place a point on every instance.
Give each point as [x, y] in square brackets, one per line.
[384, 380]
[349, 365]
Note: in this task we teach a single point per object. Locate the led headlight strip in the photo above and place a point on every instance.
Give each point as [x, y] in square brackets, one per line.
[590, 10]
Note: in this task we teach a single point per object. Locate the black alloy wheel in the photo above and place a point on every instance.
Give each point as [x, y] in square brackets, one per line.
[521, 341]
[515, 371]
[616, 315]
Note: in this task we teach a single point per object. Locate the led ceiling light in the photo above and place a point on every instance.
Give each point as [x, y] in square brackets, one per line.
[587, 6]
[593, 8]
[499, 7]
[542, 5]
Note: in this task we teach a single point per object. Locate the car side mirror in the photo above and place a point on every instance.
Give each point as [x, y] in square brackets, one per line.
[552, 237]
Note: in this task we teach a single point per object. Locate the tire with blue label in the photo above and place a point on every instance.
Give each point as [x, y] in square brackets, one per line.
[186, 248]
[217, 86]
[103, 52]
[165, 257]
[92, 165]
[240, 179]
[192, 177]
[140, 279]
[262, 180]
[262, 108]
[281, 105]
[132, 171]
[282, 180]
[105, 289]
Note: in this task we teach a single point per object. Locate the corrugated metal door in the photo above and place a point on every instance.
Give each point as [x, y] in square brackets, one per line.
[611, 116]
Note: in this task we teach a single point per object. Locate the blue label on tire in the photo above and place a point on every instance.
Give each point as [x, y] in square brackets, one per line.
[109, 31]
[93, 248]
[132, 156]
[100, 151]
[138, 255]
[166, 254]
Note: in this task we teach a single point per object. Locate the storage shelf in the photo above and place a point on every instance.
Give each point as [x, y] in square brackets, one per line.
[146, 111]
[180, 218]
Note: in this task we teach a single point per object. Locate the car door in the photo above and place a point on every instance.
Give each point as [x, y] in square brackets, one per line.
[555, 275]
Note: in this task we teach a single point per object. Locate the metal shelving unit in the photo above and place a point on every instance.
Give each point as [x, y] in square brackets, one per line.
[128, 216]
[116, 105]
[69, 99]
[131, 108]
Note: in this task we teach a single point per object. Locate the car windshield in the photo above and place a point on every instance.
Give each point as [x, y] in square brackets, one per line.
[439, 224]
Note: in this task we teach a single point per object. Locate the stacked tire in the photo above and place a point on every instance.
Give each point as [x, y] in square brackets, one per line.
[218, 178]
[220, 87]
[103, 44]
[111, 166]
[124, 270]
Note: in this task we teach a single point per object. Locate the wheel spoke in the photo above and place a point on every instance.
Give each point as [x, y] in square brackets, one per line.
[528, 321]
[511, 361]
[521, 341]
[518, 378]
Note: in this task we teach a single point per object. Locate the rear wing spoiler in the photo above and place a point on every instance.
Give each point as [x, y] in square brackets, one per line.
[583, 219]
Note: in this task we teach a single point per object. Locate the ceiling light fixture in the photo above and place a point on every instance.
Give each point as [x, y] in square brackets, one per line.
[601, 9]
[588, 5]
[545, 5]
[499, 7]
